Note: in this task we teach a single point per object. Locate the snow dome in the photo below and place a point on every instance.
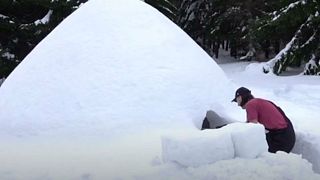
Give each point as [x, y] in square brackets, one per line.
[101, 71]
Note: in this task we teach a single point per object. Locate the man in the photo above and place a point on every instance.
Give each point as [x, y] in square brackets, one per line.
[280, 134]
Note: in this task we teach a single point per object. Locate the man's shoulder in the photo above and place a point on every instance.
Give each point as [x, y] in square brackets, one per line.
[256, 101]
[259, 100]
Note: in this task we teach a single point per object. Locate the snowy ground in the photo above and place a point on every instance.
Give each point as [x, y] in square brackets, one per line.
[105, 96]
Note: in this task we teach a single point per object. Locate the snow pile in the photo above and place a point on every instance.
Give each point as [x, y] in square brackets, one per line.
[211, 145]
[103, 79]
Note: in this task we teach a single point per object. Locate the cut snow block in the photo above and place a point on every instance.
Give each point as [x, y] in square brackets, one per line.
[249, 139]
[205, 147]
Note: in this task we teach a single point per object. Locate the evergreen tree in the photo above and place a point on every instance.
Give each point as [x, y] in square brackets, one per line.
[166, 7]
[194, 17]
[297, 24]
[212, 22]
[24, 23]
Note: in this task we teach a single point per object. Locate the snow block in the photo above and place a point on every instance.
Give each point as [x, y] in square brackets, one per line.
[249, 139]
[205, 147]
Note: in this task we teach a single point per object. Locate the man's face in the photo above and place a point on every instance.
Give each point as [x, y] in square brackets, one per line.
[239, 100]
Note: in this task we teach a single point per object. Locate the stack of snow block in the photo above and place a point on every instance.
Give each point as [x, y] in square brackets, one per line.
[244, 140]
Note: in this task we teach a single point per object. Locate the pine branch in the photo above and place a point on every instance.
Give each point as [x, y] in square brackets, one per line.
[280, 61]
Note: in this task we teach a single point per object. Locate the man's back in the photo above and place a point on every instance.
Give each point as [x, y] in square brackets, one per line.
[266, 113]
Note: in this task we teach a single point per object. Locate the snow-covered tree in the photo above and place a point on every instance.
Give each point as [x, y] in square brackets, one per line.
[297, 24]
[213, 22]
[166, 7]
[195, 17]
[23, 24]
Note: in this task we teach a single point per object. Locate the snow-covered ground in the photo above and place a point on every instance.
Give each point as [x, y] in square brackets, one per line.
[117, 91]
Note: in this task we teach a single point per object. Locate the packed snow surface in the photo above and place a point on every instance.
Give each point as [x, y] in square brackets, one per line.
[118, 91]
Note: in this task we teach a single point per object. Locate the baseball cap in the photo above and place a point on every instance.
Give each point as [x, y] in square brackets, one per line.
[241, 92]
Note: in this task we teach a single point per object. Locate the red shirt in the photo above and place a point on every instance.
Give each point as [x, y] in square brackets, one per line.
[266, 114]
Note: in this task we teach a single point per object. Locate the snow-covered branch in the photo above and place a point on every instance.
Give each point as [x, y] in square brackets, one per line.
[3, 16]
[286, 9]
[312, 66]
[45, 19]
[270, 64]
[284, 52]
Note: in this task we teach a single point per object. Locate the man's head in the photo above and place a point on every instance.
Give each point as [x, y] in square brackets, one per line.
[242, 96]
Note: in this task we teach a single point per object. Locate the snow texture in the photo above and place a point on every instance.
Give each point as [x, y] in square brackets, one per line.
[248, 139]
[213, 145]
[98, 96]
[206, 147]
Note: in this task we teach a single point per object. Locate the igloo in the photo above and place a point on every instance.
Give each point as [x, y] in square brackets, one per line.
[100, 90]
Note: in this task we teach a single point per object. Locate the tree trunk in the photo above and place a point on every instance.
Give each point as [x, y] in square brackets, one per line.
[233, 48]
[227, 45]
[276, 45]
[266, 49]
[216, 48]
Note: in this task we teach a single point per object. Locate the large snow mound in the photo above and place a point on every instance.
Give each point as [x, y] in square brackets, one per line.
[101, 73]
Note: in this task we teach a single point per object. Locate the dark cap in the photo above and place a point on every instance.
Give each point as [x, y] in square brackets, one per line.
[242, 91]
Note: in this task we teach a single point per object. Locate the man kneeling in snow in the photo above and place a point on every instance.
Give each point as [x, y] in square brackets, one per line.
[280, 133]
